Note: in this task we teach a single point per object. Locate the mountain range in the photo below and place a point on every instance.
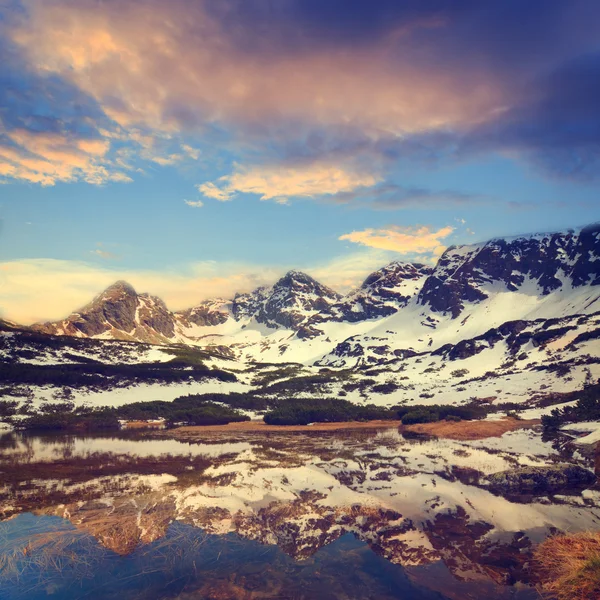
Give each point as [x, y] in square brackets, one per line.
[407, 305]
[505, 321]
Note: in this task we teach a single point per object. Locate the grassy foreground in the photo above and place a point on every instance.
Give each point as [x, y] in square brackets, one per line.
[569, 566]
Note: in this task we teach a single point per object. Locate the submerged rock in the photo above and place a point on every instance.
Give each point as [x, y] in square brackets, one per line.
[552, 479]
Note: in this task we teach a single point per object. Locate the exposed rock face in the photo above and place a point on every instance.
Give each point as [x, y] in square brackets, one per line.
[465, 273]
[246, 306]
[556, 479]
[294, 299]
[118, 312]
[7, 325]
[383, 292]
[207, 313]
[290, 303]
[465, 276]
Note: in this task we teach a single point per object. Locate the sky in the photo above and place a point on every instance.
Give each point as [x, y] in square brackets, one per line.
[201, 148]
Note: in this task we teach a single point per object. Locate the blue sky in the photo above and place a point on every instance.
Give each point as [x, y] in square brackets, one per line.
[198, 149]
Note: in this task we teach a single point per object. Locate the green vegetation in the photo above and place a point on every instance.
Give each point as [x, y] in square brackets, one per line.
[106, 375]
[190, 410]
[84, 420]
[420, 413]
[459, 372]
[302, 411]
[8, 408]
[187, 410]
[586, 409]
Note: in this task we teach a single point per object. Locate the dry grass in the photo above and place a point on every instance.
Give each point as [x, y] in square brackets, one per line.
[57, 551]
[471, 430]
[260, 426]
[144, 425]
[569, 566]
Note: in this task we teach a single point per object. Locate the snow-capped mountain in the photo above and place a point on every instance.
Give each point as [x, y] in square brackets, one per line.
[544, 263]
[504, 319]
[293, 300]
[399, 310]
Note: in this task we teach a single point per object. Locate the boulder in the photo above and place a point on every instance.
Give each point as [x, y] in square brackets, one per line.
[554, 479]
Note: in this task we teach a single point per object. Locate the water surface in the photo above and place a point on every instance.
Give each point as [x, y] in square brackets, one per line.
[354, 514]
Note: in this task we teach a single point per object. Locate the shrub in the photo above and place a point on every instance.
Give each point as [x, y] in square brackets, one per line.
[207, 414]
[385, 388]
[71, 421]
[420, 416]
[193, 409]
[312, 410]
[437, 412]
[8, 408]
[586, 409]
[459, 372]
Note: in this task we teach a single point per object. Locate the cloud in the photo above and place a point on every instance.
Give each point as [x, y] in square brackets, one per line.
[194, 203]
[304, 83]
[280, 183]
[104, 254]
[210, 190]
[391, 196]
[557, 129]
[34, 290]
[347, 272]
[407, 240]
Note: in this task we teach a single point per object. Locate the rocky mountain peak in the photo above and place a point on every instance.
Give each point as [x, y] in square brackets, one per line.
[119, 287]
[393, 274]
[298, 282]
[544, 262]
[208, 312]
[383, 292]
[118, 312]
[290, 302]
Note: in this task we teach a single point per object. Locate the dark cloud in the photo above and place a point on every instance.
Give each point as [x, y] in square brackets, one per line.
[391, 196]
[362, 83]
[558, 129]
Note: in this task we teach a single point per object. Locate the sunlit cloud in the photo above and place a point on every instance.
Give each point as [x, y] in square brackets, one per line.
[347, 272]
[168, 80]
[402, 240]
[194, 203]
[281, 183]
[48, 158]
[34, 290]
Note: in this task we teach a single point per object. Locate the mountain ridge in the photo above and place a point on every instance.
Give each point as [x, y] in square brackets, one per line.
[415, 303]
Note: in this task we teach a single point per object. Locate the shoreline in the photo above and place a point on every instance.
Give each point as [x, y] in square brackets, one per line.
[461, 430]
[261, 426]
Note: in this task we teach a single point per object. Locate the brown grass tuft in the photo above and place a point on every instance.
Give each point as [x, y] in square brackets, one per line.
[569, 566]
[471, 430]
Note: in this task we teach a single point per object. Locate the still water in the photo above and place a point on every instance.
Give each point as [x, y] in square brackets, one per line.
[343, 515]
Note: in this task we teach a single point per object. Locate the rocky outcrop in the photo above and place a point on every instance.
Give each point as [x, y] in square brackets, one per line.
[294, 299]
[291, 303]
[383, 292]
[208, 313]
[555, 479]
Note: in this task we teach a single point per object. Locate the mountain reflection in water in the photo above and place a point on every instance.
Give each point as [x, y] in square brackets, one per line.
[344, 515]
